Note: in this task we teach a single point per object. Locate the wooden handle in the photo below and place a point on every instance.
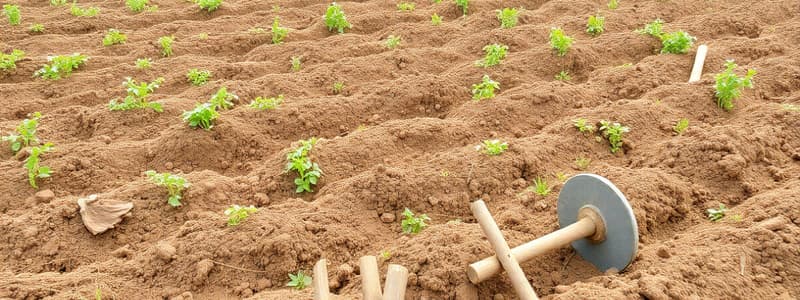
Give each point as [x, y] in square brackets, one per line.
[396, 281]
[320, 280]
[502, 251]
[370, 278]
[699, 60]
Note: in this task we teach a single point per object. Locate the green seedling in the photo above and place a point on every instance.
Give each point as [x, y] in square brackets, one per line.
[583, 125]
[299, 281]
[540, 186]
[413, 224]
[203, 116]
[114, 37]
[296, 63]
[25, 134]
[436, 19]
[36, 28]
[595, 25]
[508, 17]
[308, 172]
[175, 185]
[198, 77]
[143, 63]
[392, 41]
[654, 29]
[678, 42]
[406, 6]
[729, 86]
[561, 176]
[582, 163]
[335, 19]
[236, 214]
[58, 2]
[736, 218]
[444, 173]
[202, 36]
[386, 255]
[276, 8]
[613, 132]
[61, 66]
[484, 89]
[32, 164]
[9, 61]
[559, 41]
[493, 147]
[209, 5]
[563, 76]
[138, 6]
[716, 214]
[463, 4]
[278, 33]
[495, 53]
[263, 103]
[137, 96]
[77, 11]
[338, 87]
[166, 45]
[12, 13]
[222, 99]
[613, 4]
[681, 126]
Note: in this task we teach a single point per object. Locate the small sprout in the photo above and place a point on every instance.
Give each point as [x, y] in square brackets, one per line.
[583, 125]
[198, 77]
[413, 224]
[308, 172]
[296, 63]
[203, 116]
[716, 214]
[493, 147]
[484, 89]
[736, 218]
[263, 103]
[338, 87]
[561, 176]
[613, 4]
[32, 164]
[582, 163]
[613, 132]
[37, 28]
[335, 19]
[299, 281]
[175, 185]
[140, 5]
[392, 42]
[12, 12]
[278, 33]
[508, 17]
[166, 45]
[463, 4]
[209, 5]
[595, 25]
[559, 41]
[681, 126]
[678, 42]
[495, 53]
[436, 19]
[729, 86]
[540, 186]
[137, 96]
[406, 6]
[563, 76]
[236, 214]
[202, 36]
[61, 66]
[77, 11]
[26, 133]
[9, 61]
[114, 37]
[143, 63]
[222, 99]
[386, 255]
[444, 173]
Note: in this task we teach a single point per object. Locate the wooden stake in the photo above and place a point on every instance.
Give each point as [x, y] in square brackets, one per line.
[320, 280]
[699, 60]
[502, 251]
[396, 281]
[370, 278]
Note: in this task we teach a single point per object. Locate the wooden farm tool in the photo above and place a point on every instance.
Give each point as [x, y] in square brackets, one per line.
[396, 280]
[699, 60]
[595, 218]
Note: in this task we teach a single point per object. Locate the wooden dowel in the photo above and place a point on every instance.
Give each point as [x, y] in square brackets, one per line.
[320, 280]
[699, 60]
[503, 252]
[396, 281]
[370, 278]
[490, 266]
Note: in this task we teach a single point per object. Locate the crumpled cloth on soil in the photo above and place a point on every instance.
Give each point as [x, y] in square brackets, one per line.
[101, 215]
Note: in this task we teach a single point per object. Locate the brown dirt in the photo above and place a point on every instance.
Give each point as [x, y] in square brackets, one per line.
[419, 124]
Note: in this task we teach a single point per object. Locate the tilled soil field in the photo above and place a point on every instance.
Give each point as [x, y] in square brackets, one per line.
[402, 133]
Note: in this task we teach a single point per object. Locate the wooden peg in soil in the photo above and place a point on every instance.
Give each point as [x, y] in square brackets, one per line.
[699, 60]
[396, 281]
[370, 278]
[518, 280]
[320, 280]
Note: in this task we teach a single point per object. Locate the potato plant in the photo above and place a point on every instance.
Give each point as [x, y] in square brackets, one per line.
[32, 164]
[412, 224]
[222, 99]
[296, 63]
[198, 77]
[203, 116]
[729, 85]
[335, 19]
[594, 26]
[406, 6]
[61, 66]
[716, 214]
[166, 45]
[143, 63]
[583, 125]
[114, 37]
[613, 4]
[508, 17]
[308, 172]
[678, 42]
[559, 41]
[25, 134]
[463, 4]
[493, 147]
[540, 186]
[681, 126]
[299, 281]
[236, 214]
[392, 41]
[12, 13]
[278, 33]
[436, 19]
[36, 28]
[495, 53]
[58, 2]
[77, 11]
[563, 76]
[613, 132]
[485, 89]
[9, 61]
[263, 103]
[209, 5]
[582, 163]
[138, 6]
[338, 87]
[137, 97]
[175, 185]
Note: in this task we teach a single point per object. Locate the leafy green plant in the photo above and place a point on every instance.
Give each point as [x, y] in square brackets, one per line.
[198, 77]
[413, 224]
[222, 99]
[493, 147]
[406, 6]
[61, 66]
[36, 28]
[681, 126]
[338, 87]
[143, 63]
[77, 11]
[236, 214]
[58, 2]
[263, 103]
[35, 170]
[166, 45]
[335, 19]
[175, 185]
[209, 5]
[595, 25]
[137, 96]
[308, 172]
[508, 17]
[495, 53]
[582, 163]
[484, 89]
[655, 28]
[12, 12]
[613, 132]
[140, 5]
[296, 63]
[463, 4]
[716, 214]
[613, 4]
[278, 33]
[563, 76]
[729, 86]
[540, 186]
[392, 41]
[203, 116]
[299, 281]
[678, 42]
[436, 19]
[559, 41]
[25, 133]
[9, 61]
[583, 125]
[114, 37]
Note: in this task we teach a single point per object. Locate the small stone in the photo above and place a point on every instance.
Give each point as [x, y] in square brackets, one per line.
[105, 139]
[44, 196]
[662, 252]
[263, 284]
[165, 251]
[560, 289]
[168, 165]
[387, 217]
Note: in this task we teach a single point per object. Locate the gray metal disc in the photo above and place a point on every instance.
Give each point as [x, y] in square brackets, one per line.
[621, 242]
